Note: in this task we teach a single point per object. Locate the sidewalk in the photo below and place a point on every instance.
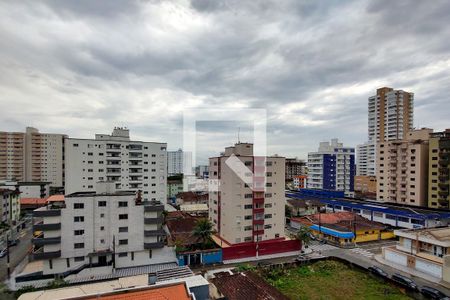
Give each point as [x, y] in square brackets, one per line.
[412, 272]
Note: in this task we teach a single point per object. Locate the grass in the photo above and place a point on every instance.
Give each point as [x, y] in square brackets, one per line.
[331, 280]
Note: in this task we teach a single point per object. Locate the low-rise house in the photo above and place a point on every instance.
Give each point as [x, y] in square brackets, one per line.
[302, 207]
[192, 198]
[343, 228]
[422, 250]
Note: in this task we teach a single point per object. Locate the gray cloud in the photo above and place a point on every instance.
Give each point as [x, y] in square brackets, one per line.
[83, 67]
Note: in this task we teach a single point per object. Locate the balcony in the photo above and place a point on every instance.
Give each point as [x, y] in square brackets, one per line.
[258, 222]
[40, 241]
[443, 202]
[443, 194]
[157, 232]
[46, 212]
[443, 178]
[258, 210]
[46, 227]
[443, 186]
[258, 232]
[40, 254]
[156, 220]
[444, 161]
[155, 245]
[152, 207]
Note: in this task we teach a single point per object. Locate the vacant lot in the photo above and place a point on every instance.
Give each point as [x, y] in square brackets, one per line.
[331, 280]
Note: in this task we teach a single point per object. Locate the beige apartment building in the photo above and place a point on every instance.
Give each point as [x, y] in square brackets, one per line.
[246, 211]
[402, 169]
[32, 156]
[439, 169]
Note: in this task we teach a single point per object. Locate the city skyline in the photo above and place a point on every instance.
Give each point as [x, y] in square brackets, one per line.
[80, 69]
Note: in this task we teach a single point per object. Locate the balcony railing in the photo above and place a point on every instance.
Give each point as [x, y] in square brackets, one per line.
[155, 245]
[151, 207]
[46, 227]
[40, 254]
[156, 220]
[157, 232]
[40, 241]
[46, 212]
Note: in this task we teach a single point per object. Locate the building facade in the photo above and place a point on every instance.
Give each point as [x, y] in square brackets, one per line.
[439, 170]
[294, 167]
[332, 167]
[422, 250]
[366, 186]
[179, 162]
[250, 211]
[32, 156]
[98, 229]
[9, 206]
[390, 117]
[33, 189]
[300, 181]
[132, 165]
[402, 169]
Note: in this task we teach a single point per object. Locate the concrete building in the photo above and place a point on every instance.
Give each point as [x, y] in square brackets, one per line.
[402, 169]
[179, 162]
[174, 187]
[247, 212]
[132, 165]
[202, 171]
[9, 206]
[439, 169]
[422, 250]
[300, 181]
[32, 156]
[294, 167]
[107, 228]
[366, 187]
[390, 117]
[332, 167]
[33, 189]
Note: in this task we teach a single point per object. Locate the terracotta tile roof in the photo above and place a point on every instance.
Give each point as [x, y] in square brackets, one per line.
[340, 220]
[304, 203]
[172, 292]
[56, 198]
[180, 228]
[33, 201]
[193, 197]
[247, 286]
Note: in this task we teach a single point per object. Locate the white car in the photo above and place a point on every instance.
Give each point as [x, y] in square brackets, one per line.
[3, 252]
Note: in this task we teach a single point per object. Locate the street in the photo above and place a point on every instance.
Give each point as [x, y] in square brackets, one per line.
[17, 253]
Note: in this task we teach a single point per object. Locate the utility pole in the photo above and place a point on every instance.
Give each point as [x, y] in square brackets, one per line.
[7, 257]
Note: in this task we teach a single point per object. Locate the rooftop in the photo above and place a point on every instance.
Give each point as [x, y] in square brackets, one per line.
[245, 285]
[438, 236]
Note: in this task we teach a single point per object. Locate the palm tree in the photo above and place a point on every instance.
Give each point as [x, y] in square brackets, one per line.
[203, 230]
[304, 235]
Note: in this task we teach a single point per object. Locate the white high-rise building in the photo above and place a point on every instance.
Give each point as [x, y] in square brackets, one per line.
[332, 167]
[132, 165]
[104, 228]
[390, 117]
[179, 162]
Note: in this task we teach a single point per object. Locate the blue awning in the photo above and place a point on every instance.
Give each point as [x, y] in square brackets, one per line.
[332, 232]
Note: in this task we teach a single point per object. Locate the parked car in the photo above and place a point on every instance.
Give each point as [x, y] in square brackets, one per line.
[377, 271]
[433, 293]
[3, 252]
[405, 281]
[13, 243]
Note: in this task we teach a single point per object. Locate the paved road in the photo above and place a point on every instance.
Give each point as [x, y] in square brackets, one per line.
[17, 253]
[364, 256]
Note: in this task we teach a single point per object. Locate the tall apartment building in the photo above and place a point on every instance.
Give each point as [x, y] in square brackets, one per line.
[32, 156]
[402, 169]
[390, 117]
[179, 162]
[439, 170]
[98, 229]
[332, 167]
[294, 167]
[132, 165]
[247, 212]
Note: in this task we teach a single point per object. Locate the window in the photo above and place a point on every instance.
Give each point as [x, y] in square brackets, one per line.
[247, 196]
[78, 219]
[78, 245]
[269, 184]
[50, 262]
[102, 215]
[150, 253]
[123, 242]
[248, 206]
[123, 203]
[78, 205]
[123, 229]
[75, 145]
[123, 217]
[247, 228]
[132, 255]
[78, 232]
[79, 258]
[248, 163]
[267, 216]
[268, 163]
[123, 254]
[102, 228]
[68, 262]
[248, 217]
[268, 205]
[268, 226]
[269, 174]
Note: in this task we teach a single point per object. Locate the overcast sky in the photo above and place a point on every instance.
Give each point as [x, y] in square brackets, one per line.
[83, 67]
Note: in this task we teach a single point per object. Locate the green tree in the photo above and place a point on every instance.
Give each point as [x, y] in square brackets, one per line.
[304, 235]
[203, 230]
